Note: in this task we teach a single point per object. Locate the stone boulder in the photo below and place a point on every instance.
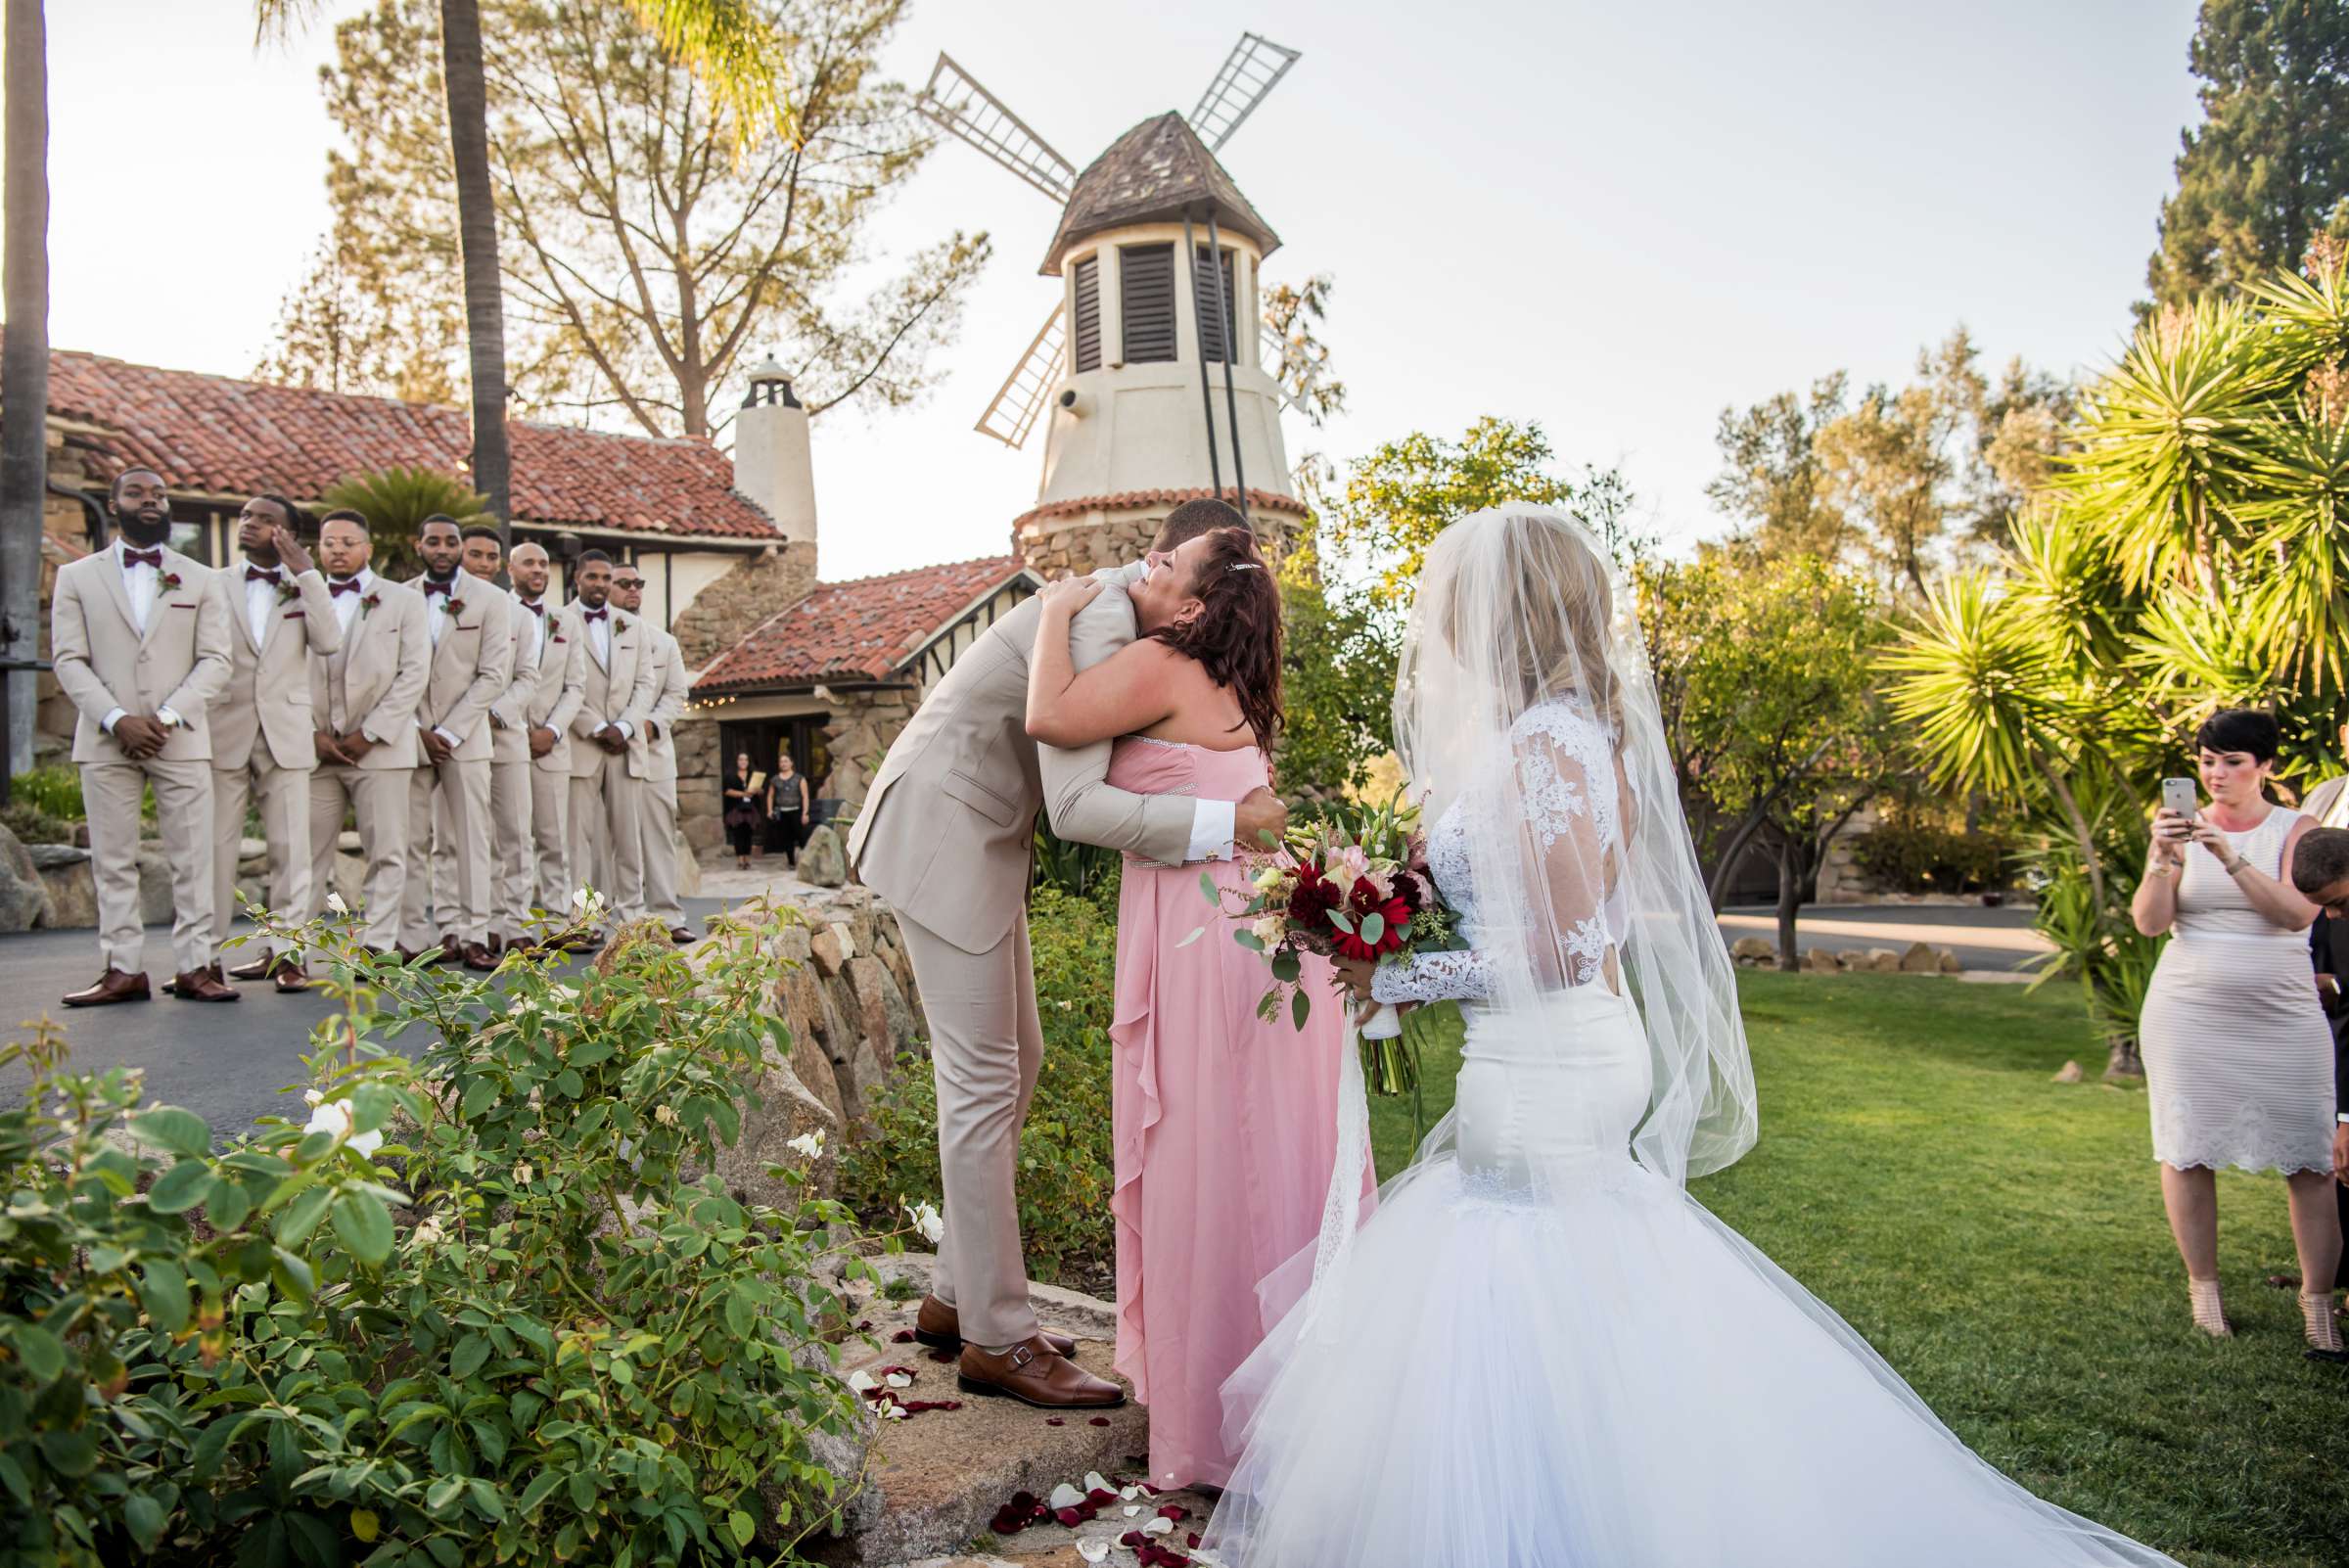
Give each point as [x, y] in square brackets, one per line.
[1951, 963]
[1921, 959]
[24, 896]
[64, 873]
[1821, 962]
[1753, 948]
[1883, 960]
[154, 884]
[823, 858]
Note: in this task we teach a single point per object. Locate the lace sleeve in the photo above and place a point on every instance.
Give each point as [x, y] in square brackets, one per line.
[1427, 977]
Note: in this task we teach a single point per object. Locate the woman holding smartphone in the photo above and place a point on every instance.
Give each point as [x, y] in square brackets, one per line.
[2239, 1058]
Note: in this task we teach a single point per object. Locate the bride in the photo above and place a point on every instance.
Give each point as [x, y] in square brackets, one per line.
[1540, 1351]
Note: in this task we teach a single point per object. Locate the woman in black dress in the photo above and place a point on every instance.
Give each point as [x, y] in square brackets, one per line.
[744, 789]
[785, 808]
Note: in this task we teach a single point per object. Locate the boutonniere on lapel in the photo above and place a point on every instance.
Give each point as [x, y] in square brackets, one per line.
[373, 601]
[620, 622]
[288, 592]
[171, 582]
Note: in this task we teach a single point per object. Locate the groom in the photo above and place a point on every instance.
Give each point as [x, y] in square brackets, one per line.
[946, 836]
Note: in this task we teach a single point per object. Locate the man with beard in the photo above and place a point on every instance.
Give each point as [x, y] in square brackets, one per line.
[558, 659]
[261, 728]
[607, 747]
[469, 625]
[509, 771]
[659, 851]
[363, 700]
[139, 639]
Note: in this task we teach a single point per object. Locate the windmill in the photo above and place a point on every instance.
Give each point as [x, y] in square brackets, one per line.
[1132, 327]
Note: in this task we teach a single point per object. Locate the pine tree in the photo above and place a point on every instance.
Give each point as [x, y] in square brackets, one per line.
[2267, 170]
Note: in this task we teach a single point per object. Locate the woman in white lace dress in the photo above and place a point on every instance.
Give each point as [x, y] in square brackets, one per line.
[1540, 1352]
[2239, 1058]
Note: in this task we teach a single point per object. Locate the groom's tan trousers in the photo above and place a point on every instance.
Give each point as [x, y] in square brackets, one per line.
[986, 1046]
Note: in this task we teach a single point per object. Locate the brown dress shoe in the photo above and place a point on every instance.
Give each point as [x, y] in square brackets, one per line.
[202, 985]
[290, 975]
[590, 940]
[477, 956]
[113, 986]
[1034, 1373]
[940, 1326]
[682, 935]
[260, 968]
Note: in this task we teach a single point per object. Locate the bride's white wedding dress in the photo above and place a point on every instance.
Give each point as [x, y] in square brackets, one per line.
[1540, 1351]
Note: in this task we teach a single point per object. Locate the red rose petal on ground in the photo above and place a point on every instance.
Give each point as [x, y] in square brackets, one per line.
[1067, 1516]
[1098, 1420]
[1055, 1421]
[903, 1336]
[1192, 1541]
[1023, 1501]
[945, 1358]
[866, 1327]
[1135, 1539]
[1174, 1511]
[1100, 1498]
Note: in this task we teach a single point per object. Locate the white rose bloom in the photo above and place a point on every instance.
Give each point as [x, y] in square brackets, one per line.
[1269, 929]
[929, 1221]
[333, 1117]
[667, 1116]
[334, 902]
[810, 1144]
[312, 1097]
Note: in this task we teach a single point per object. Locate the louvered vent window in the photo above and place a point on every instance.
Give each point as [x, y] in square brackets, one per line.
[1215, 325]
[1146, 301]
[1087, 350]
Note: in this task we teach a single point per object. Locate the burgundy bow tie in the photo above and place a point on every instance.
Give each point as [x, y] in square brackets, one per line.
[442, 589]
[254, 573]
[153, 558]
[595, 615]
[538, 610]
[345, 585]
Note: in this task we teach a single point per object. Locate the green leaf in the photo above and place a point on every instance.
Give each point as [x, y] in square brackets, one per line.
[1340, 920]
[1374, 926]
[443, 1492]
[570, 1084]
[163, 1292]
[589, 1053]
[364, 1224]
[169, 1127]
[472, 1352]
[43, 1357]
[1300, 1007]
[302, 1217]
[480, 1096]
[228, 1203]
[1285, 966]
[544, 1482]
[1247, 940]
[180, 1188]
[1207, 885]
[743, 1526]
[72, 1452]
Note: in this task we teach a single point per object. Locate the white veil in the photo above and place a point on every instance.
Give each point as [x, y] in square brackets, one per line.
[1525, 687]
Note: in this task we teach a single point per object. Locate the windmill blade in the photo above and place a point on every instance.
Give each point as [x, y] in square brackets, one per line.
[1255, 63]
[1012, 414]
[954, 99]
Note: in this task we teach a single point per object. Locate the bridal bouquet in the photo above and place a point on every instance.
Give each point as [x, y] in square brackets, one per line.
[1352, 885]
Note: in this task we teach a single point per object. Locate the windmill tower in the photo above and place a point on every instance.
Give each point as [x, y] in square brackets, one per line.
[1149, 374]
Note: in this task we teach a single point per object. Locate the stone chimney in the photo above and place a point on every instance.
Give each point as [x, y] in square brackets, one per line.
[771, 462]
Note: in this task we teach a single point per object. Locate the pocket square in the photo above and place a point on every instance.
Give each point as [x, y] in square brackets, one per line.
[293, 615]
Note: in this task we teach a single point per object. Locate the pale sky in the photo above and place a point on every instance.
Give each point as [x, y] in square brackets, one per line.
[1613, 219]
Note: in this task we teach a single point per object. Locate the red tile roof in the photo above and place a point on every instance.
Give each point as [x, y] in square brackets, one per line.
[865, 629]
[1078, 505]
[223, 437]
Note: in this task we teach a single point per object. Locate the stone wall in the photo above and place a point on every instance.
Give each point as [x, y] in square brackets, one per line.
[1064, 546]
[724, 612]
[863, 724]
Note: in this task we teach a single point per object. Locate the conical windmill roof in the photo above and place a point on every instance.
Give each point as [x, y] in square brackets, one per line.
[1157, 172]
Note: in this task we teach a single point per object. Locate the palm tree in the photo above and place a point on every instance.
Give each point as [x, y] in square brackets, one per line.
[729, 43]
[24, 374]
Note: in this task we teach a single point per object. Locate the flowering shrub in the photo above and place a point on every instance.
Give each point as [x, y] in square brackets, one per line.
[1065, 1149]
[475, 1308]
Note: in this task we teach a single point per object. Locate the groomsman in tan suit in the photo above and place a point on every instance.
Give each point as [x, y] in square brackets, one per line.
[261, 728]
[509, 764]
[561, 659]
[607, 740]
[946, 836]
[470, 625]
[138, 638]
[363, 700]
[671, 690]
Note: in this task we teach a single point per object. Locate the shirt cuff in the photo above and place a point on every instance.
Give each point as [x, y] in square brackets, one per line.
[627, 731]
[1212, 829]
[445, 735]
[108, 723]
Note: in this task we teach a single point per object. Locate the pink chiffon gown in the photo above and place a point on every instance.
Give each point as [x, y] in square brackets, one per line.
[1226, 1128]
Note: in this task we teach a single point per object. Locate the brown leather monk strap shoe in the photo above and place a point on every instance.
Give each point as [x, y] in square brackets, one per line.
[290, 975]
[204, 985]
[1034, 1373]
[260, 968]
[115, 986]
[940, 1326]
[477, 957]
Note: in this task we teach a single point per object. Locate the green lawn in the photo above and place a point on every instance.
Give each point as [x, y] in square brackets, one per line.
[2000, 1239]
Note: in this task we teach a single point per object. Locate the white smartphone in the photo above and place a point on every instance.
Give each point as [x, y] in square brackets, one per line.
[2181, 796]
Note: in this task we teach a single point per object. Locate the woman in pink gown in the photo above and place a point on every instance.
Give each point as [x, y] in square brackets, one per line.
[1226, 1124]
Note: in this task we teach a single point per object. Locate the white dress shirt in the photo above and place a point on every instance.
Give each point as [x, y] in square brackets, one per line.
[436, 606]
[599, 638]
[260, 599]
[142, 583]
[346, 605]
[535, 632]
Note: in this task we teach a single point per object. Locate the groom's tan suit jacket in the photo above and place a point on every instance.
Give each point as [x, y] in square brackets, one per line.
[948, 827]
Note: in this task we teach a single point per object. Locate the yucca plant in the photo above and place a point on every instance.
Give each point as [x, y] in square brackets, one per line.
[397, 500]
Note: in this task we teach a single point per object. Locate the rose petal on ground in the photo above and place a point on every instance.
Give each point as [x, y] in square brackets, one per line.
[903, 1336]
[1055, 1421]
[1173, 1510]
[1068, 1517]
[1133, 1509]
[1098, 1420]
[1065, 1496]
[1161, 1525]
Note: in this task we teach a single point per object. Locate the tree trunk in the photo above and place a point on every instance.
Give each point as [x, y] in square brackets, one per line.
[1717, 886]
[2081, 836]
[1790, 899]
[23, 373]
[468, 105]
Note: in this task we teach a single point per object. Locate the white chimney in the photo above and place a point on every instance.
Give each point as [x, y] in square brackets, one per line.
[771, 461]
